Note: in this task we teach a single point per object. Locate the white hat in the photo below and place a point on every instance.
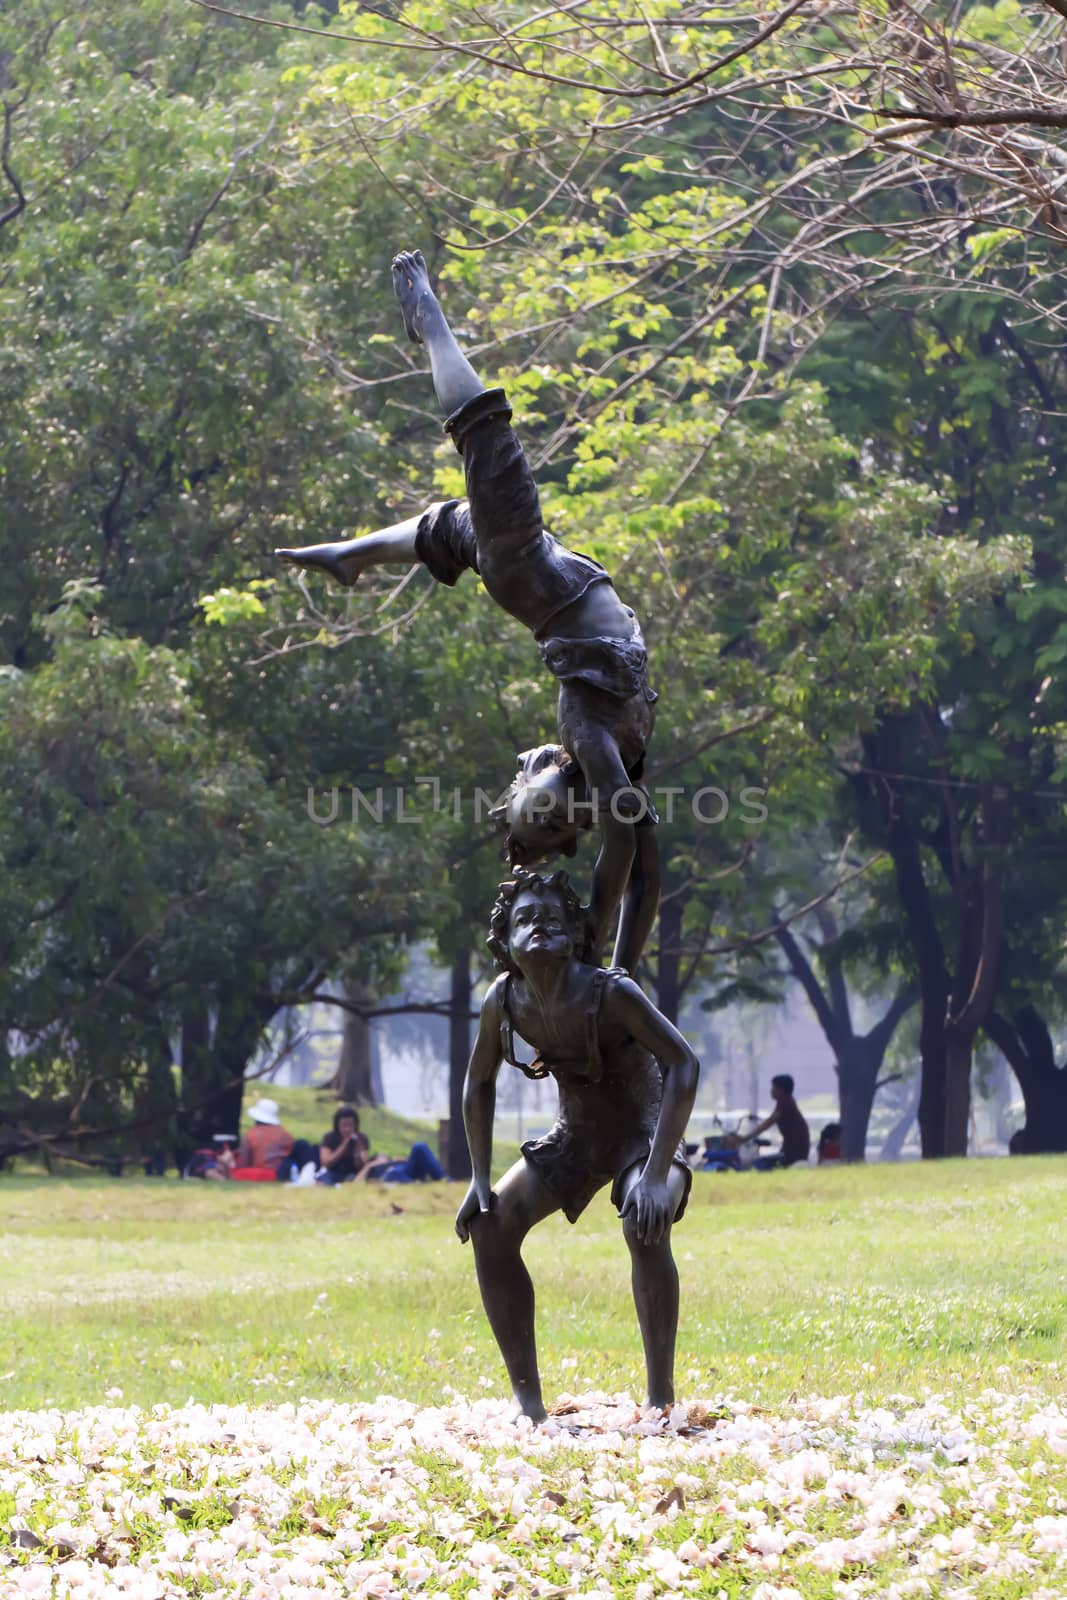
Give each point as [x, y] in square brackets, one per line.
[266, 1111]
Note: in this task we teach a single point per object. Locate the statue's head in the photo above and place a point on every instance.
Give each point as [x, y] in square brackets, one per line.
[538, 917]
[543, 810]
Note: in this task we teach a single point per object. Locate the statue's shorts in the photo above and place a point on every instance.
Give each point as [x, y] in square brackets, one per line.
[604, 688]
[574, 1168]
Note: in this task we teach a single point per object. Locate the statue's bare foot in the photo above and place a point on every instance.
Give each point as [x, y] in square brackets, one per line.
[335, 560]
[528, 1403]
[411, 281]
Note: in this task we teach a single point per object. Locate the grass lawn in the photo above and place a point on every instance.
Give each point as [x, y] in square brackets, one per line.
[878, 1279]
[870, 1365]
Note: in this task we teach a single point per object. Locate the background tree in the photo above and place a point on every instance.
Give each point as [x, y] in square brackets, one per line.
[777, 307]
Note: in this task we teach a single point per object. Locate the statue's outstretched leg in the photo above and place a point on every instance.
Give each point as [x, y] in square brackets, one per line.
[454, 379]
[654, 1278]
[521, 1200]
[346, 560]
[326, 558]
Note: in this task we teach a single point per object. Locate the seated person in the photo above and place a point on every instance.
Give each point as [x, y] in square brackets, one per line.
[212, 1161]
[829, 1146]
[419, 1166]
[788, 1118]
[346, 1157]
[344, 1152]
[268, 1152]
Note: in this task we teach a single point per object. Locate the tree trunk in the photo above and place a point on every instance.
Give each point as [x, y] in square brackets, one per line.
[238, 1035]
[979, 897]
[857, 1082]
[1026, 1044]
[933, 983]
[459, 1049]
[198, 1117]
[156, 1103]
[213, 1067]
[354, 1079]
[898, 1134]
[857, 1057]
[668, 955]
[959, 1059]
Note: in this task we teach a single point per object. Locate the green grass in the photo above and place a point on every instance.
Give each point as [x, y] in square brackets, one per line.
[879, 1279]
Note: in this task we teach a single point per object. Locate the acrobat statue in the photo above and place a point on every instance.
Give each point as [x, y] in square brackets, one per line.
[626, 1076]
[588, 638]
[627, 1080]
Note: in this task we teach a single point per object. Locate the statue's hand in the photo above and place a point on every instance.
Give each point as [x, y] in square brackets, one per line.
[473, 1204]
[653, 1208]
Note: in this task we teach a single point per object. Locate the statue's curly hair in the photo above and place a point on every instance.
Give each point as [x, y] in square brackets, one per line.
[520, 882]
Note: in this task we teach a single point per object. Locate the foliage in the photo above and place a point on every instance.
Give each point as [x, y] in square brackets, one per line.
[789, 371]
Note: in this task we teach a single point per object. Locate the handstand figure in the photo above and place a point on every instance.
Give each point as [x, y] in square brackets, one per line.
[588, 638]
[627, 1080]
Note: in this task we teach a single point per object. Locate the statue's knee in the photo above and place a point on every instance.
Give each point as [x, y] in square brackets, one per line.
[494, 1236]
[631, 1231]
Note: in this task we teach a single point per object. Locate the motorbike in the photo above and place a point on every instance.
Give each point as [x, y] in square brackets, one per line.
[724, 1150]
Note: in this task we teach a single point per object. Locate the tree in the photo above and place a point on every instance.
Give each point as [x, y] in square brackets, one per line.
[703, 265]
[858, 1058]
[1026, 1044]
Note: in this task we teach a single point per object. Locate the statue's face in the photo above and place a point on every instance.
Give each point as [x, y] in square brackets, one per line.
[543, 816]
[539, 926]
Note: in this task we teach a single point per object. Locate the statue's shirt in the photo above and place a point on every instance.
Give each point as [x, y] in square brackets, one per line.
[609, 1103]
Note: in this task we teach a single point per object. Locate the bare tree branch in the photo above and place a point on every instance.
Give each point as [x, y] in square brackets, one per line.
[18, 205]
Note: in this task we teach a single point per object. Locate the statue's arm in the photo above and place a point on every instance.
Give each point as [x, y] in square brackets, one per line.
[628, 1006]
[611, 876]
[606, 778]
[640, 902]
[479, 1094]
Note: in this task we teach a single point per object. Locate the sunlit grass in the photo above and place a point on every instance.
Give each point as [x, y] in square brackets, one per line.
[879, 1279]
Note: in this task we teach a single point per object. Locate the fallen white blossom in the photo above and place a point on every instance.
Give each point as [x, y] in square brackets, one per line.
[907, 1498]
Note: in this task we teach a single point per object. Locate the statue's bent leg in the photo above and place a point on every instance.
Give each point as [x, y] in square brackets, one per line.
[654, 1277]
[507, 1291]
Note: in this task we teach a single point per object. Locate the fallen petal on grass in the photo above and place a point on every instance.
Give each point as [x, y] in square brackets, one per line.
[909, 1497]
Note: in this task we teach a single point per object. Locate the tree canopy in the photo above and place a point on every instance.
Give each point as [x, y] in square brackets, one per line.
[776, 303]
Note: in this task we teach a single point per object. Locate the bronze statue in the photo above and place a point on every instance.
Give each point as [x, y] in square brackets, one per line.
[587, 637]
[626, 1078]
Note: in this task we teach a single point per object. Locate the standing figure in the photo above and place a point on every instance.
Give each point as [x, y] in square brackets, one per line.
[587, 637]
[627, 1080]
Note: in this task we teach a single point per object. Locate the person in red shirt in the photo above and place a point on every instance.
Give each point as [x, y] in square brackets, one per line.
[788, 1118]
[265, 1147]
